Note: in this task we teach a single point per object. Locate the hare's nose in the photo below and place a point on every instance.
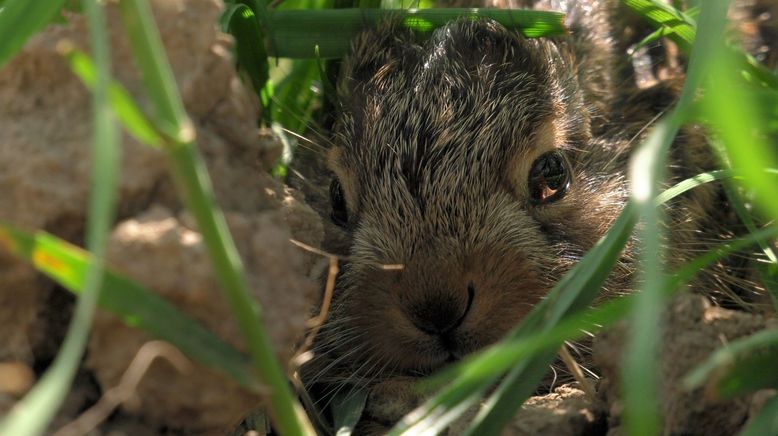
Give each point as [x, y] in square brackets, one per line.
[440, 315]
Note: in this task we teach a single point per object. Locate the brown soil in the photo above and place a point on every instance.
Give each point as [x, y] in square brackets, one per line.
[44, 170]
[693, 329]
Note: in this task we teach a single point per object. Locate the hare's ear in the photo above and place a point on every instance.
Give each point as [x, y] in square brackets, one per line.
[377, 55]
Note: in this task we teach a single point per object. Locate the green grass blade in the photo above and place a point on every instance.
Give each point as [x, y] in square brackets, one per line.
[296, 33]
[739, 367]
[639, 373]
[241, 22]
[679, 27]
[640, 393]
[293, 97]
[260, 10]
[347, 407]
[192, 180]
[35, 411]
[124, 107]
[20, 19]
[768, 273]
[739, 128]
[651, 38]
[135, 305]
[574, 291]
[766, 422]
[157, 76]
[691, 183]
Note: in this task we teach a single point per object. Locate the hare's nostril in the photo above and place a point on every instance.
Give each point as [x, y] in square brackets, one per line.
[440, 315]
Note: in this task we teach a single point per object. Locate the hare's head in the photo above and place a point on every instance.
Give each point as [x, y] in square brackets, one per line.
[469, 160]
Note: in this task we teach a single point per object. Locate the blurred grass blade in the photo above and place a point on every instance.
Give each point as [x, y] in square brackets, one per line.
[135, 305]
[661, 32]
[639, 374]
[193, 182]
[32, 415]
[739, 129]
[124, 107]
[679, 27]
[157, 76]
[241, 22]
[20, 19]
[768, 273]
[766, 422]
[739, 367]
[296, 33]
[640, 355]
[746, 143]
[347, 407]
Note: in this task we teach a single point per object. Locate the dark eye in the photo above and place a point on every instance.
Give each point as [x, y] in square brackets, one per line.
[549, 178]
[339, 213]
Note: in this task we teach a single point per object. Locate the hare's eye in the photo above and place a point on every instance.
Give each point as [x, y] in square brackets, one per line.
[549, 178]
[339, 212]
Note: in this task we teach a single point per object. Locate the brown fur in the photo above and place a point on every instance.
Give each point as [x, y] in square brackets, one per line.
[433, 145]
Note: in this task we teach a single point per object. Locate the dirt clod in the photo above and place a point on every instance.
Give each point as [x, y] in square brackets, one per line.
[693, 329]
[44, 184]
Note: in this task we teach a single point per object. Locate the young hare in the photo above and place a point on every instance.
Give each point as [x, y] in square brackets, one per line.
[486, 164]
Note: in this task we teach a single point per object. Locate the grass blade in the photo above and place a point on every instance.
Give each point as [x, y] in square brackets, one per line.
[738, 368]
[193, 182]
[33, 414]
[241, 22]
[347, 407]
[574, 291]
[136, 306]
[640, 370]
[124, 107]
[766, 422]
[680, 28]
[739, 128]
[333, 29]
[641, 393]
[20, 19]
[157, 76]
[476, 373]
[295, 91]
